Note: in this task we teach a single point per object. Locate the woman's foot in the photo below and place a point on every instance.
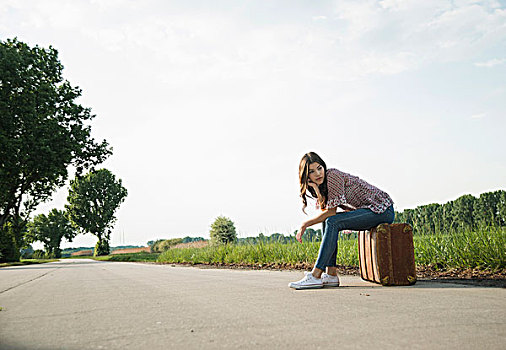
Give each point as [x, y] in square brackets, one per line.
[329, 280]
[307, 282]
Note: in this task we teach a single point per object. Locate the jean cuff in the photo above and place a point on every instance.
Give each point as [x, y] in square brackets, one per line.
[325, 266]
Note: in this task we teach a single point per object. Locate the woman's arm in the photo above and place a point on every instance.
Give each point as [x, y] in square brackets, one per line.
[316, 189]
[319, 218]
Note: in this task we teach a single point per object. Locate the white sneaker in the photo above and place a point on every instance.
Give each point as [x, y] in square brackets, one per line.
[329, 280]
[308, 282]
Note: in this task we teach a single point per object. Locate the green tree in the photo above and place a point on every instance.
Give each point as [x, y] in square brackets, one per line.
[463, 211]
[189, 239]
[501, 208]
[92, 201]
[50, 230]
[486, 208]
[311, 235]
[8, 245]
[449, 219]
[150, 243]
[43, 131]
[430, 218]
[223, 231]
[466, 212]
[153, 245]
[410, 217]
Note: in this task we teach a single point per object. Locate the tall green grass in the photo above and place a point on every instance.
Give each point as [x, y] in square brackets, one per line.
[261, 253]
[484, 248]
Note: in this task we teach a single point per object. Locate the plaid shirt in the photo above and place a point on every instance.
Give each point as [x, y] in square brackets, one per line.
[348, 191]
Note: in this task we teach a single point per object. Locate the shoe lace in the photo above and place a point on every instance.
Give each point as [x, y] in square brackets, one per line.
[308, 277]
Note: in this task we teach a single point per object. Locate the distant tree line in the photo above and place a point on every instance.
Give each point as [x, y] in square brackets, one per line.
[311, 235]
[465, 213]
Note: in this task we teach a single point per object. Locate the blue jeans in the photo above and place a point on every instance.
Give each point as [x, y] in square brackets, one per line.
[359, 220]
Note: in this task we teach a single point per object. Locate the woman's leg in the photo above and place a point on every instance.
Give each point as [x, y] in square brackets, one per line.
[332, 270]
[360, 219]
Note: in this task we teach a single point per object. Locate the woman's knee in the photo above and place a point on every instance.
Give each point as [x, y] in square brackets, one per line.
[389, 215]
[329, 223]
[332, 224]
[335, 222]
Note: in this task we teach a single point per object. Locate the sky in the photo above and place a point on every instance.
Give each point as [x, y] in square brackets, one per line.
[209, 106]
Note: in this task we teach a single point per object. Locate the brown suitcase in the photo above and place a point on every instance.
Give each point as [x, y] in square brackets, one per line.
[386, 254]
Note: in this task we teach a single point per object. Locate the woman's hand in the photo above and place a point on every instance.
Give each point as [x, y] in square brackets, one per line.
[320, 218]
[303, 228]
[313, 185]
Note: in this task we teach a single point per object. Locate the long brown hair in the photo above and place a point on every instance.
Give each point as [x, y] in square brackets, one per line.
[307, 159]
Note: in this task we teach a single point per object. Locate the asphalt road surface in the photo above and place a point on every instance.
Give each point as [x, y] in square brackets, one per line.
[86, 304]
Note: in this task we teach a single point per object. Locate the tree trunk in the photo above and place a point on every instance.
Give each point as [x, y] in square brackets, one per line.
[102, 247]
[9, 250]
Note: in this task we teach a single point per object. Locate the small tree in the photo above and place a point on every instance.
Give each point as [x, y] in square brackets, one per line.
[92, 201]
[223, 231]
[189, 239]
[39, 254]
[162, 245]
[463, 211]
[50, 230]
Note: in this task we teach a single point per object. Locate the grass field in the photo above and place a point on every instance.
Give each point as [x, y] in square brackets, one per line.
[484, 249]
[27, 262]
[142, 256]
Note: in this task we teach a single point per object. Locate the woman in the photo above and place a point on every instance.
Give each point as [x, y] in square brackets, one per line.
[364, 205]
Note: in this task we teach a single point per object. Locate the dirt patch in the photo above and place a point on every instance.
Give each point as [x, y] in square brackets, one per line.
[343, 270]
[82, 253]
[196, 244]
[477, 277]
[131, 250]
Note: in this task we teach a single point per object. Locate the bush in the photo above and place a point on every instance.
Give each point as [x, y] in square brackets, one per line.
[39, 254]
[141, 256]
[222, 231]
[9, 251]
[162, 245]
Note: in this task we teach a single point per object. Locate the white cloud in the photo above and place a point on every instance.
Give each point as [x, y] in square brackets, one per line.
[360, 39]
[491, 63]
[478, 116]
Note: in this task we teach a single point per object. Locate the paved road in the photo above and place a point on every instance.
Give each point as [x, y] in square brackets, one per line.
[85, 304]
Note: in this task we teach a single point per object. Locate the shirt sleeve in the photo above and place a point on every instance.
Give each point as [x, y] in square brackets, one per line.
[335, 186]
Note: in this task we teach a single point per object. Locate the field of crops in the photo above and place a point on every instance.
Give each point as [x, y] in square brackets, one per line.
[484, 249]
[142, 256]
